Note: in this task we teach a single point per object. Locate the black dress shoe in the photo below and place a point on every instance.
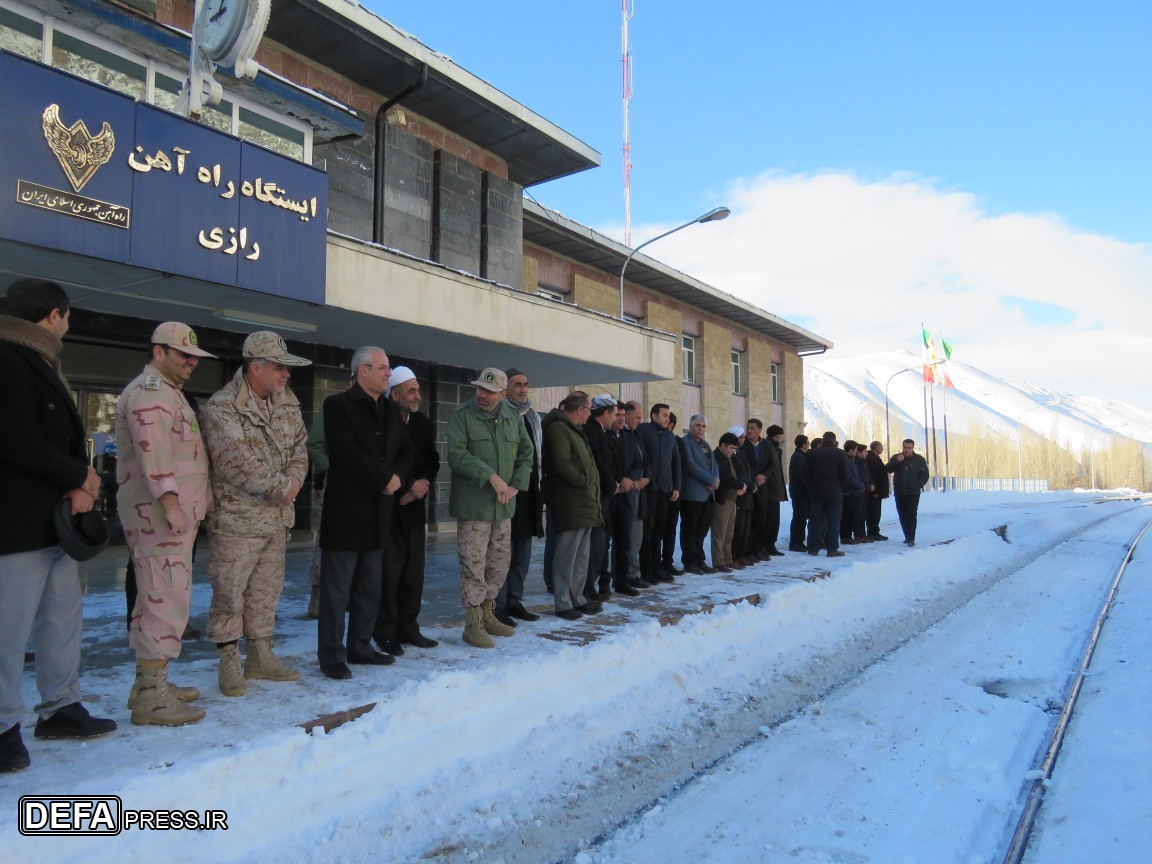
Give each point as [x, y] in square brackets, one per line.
[694, 570]
[798, 548]
[877, 536]
[709, 571]
[569, 614]
[772, 550]
[419, 640]
[642, 584]
[339, 671]
[627, 590]
[517, 610]
[835, 553]
[371, 658]
[504, 618]
[13, 754]
[592, 607]
[390, 646]
[663, 576]
[674, 571]
[73, 721]
[813, 551]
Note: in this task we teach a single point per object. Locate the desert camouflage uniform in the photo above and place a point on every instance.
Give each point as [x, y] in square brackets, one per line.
[255, 457]
[484, 550]
[160, 451]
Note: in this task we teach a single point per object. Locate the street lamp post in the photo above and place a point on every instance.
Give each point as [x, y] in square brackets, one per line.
[887, 435]
[1020, 437]
[713, 215]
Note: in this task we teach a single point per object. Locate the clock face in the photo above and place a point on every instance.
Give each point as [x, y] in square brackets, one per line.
[220, 25]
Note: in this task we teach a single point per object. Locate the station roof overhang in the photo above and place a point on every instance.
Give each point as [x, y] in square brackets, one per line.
[359, 45]
[563, 236]
[375, 296]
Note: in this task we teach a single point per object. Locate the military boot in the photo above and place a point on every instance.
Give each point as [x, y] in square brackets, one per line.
[156, 704]
[262, 663]
[184, 694]
[230, 676]
[474, 632]
[491, 623]
[314, 603]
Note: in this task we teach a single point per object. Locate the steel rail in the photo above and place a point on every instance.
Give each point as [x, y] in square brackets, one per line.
[1024, 826]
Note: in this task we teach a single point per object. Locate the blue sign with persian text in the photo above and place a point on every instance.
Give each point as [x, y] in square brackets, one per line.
[89, 171]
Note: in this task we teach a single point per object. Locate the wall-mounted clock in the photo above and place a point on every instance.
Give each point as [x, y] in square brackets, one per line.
[229, 32]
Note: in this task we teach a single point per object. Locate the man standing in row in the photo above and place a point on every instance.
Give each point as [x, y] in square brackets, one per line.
[398, 623]
[490, 454]
[573, 501]
[879, 474]
[164, 495]
[528, 519]
[662, 453]
[909, 475]
[369, 457]
[798, 491]
[827, 479]
[43, 461]
[256, 444]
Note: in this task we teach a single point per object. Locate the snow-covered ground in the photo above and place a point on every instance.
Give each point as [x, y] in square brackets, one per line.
[888, 706]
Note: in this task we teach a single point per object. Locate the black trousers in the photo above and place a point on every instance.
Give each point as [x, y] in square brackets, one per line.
[400, 607]
[654, 523]
[668, 540]
[742, 534]
[695, 522]
[350, 584]
[771, 524]
[848, 515]
[597, 547]
[906, 507]
[799, 524]
[875, 503]
[619, 528]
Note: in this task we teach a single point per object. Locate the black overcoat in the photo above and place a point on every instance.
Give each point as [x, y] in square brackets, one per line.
[367, 444]
[425, 466]
[41, 449]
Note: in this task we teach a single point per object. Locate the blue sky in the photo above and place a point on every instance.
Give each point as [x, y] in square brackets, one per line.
[1021, 130]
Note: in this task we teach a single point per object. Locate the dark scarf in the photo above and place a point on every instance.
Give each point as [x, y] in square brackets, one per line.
[35, 338]
[525, 410]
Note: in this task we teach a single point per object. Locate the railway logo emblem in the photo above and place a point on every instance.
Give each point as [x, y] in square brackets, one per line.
[80, 153]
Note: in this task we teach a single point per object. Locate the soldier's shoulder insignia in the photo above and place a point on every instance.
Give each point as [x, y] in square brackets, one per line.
[152, 382]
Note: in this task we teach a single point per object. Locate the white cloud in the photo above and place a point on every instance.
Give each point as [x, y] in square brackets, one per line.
[863, 263]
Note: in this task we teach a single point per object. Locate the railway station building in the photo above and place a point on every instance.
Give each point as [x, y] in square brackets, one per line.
[361, 189]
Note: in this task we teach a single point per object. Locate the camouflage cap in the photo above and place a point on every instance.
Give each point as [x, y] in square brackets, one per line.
[493, 380]
[178, 336]
[266, 345]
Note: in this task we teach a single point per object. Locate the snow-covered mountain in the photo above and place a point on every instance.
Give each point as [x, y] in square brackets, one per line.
[844, 393]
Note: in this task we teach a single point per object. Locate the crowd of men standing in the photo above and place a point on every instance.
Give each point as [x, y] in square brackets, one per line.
[617, 492]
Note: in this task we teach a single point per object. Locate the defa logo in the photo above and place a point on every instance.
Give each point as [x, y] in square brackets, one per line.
[68, 814]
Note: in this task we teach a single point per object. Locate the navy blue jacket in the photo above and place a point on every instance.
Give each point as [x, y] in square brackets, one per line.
[798, 475]
[663, 457]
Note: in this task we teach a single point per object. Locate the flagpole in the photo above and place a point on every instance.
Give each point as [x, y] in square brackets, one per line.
[947, 468]
[935, 461]
[924, 386]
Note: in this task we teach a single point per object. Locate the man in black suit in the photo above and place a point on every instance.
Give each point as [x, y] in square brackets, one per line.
[370, 458]
[42, 461]
[398, 623]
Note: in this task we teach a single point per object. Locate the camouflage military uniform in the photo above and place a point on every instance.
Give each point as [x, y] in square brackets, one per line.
[160, 451]
[255, 460]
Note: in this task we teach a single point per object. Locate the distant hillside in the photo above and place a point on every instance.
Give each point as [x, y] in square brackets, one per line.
[847, 395]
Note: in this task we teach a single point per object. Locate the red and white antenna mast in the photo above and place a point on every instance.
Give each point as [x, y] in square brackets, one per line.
[627, 11]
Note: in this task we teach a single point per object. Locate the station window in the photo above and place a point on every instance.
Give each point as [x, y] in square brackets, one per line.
[739, 374]
[688, 355]
[88, 61]
[20, 35]
[775, 382]
[103, 61]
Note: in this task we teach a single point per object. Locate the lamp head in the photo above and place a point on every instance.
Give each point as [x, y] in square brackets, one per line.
[715, 215]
